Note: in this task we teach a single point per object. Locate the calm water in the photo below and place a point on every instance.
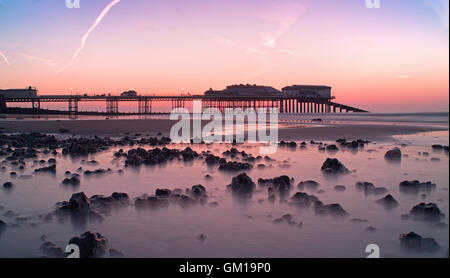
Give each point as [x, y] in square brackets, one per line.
[237, 228]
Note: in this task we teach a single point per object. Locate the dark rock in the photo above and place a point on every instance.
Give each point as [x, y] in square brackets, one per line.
[416, 186]
[49, 169]
[92, 245]
[212, 159]
[388, 201]
[371, 229]
[2, 226]
[331, 209]
[74, 181]
[415, 242]
[427, 212]
[310, 185]
[394, 154]
[162, 193]
[8, 185]
[303, 199]
[282, 183]
[340, 188]
[332, 148]
[198, 191]
[234, 166]
[369, 188]
[242, 185]
[333, 166]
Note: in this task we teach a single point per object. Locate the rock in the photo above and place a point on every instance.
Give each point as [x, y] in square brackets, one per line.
[332, 148]
[8, 185]
[52, 250]
[202, 237]
[2, 226]
[333, 166]
[114, 253]
[282, 183]
[371, 229]
[369, 188]
[79, 203]
[394, 154]
[242, 185]
[50, 169]
[331, 209]
[426, 212]
[287, 218]
[212, 159]
[415, 242]
[388, 201]
[302, 199]
[74, 181]
[162, 193]
[340, 188]
[416, 186]
[198, 191]
[234, 166]
[310, 185]
[92, 245]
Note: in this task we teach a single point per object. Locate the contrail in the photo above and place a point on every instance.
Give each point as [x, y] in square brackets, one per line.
[85, 37]
[5, 58]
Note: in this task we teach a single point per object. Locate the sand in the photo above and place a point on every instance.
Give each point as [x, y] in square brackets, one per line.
[118, 127]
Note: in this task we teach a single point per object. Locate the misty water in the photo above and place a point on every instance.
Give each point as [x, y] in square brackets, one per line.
[236, 227]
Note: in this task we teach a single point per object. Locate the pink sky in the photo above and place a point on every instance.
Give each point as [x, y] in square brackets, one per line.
[385, 60]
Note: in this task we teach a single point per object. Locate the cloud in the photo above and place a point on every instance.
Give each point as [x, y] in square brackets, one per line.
[4, 58]
[38, 59]
[283, 15]
[440, 8]
[85, 37]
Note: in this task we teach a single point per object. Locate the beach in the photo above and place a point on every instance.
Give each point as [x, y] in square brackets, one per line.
[222, 199]
[287, 131]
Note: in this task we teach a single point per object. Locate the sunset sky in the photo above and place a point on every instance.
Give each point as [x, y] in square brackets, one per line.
[391, 59]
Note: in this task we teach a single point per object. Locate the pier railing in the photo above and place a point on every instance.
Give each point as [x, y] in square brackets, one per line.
[285, 104]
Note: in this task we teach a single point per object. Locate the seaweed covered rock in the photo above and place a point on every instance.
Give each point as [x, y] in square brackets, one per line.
[416, 186]
[333, 166]
[415, 242]
[331, 209]
[281, 183]
[303, 199]
[242, 185]
[388, 201]
[309, 184]
[426, 212]
[92, 245]
[370, 188]
[394, 154]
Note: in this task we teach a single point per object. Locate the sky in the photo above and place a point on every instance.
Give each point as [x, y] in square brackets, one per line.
[394, 58]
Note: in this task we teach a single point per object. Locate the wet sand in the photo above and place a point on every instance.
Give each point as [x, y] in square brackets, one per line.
[301, 131]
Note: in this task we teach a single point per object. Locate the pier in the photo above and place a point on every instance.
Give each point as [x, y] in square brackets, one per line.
[286, 105]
